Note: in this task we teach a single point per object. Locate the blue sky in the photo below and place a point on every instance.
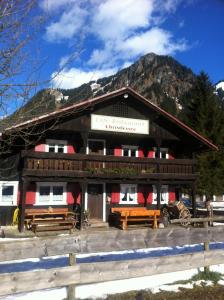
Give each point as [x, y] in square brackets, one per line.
[89, 39]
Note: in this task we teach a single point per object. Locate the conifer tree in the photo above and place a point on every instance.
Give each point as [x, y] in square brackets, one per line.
[203, 111]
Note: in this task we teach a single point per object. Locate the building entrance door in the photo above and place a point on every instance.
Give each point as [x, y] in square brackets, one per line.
[95, 201]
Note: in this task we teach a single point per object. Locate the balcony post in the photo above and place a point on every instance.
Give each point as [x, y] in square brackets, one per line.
[84, 136]
[193, 200]
[158, 189]
[22, 205]
[158, 146]
[177, 193]
[82, 203]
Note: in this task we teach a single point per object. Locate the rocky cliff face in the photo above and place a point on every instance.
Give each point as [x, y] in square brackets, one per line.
[155, 77]
[161, 79]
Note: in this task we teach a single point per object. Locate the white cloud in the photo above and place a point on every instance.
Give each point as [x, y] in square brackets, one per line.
[74, 77]
[155, 40]
[64, 61]
[53, 5]
[115, 19]
[127, 29]
[69, 24]
[168, 5]
[120, 31]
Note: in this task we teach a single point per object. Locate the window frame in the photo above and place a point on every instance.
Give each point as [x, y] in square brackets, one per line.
[96, 140]
[51, 201]
[12, 202]
[128, 202]
[154, 197]
[160, 153]
[129, 148]
[57, 143]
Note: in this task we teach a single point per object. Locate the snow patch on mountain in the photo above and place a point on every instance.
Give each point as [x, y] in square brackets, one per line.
[220, 85]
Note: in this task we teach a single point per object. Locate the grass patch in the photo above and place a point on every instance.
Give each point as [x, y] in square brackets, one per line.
[208, 275]
[214, 277]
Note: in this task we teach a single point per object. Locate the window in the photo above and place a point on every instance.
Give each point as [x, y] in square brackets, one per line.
[44, 194]
[164, 195]
[128, 194]
[57, 193]
[51, 193]
[96, 146]
[57, 146]
[163, 153]
[8, 193]
[130, 151]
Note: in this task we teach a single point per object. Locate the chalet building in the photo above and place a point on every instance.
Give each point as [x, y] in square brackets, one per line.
[113, 150]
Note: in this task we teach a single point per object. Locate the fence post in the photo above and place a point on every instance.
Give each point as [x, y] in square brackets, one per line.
[206, 246]
[71, 288]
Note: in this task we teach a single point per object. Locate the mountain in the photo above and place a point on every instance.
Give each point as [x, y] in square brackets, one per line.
[161, 79]
[155, 77]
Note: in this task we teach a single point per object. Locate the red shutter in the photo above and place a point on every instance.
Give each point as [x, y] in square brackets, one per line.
[73, 193]
[148, 194]
[40, 148]
[170, 155]
[141, 191]
[70, 197]
[115, 194]
[117, 151]
[172, 195]
[31, 194]
[70, 149]
[151, 154]
[140, 153]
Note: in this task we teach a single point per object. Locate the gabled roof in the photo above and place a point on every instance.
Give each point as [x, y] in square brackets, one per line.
[88, 103]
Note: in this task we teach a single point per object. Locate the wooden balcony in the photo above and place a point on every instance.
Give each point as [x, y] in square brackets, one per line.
[42, 164]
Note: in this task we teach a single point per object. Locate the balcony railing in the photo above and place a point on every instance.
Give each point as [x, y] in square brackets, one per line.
[105, 165]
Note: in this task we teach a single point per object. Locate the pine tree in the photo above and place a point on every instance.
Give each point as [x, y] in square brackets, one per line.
[203, 111]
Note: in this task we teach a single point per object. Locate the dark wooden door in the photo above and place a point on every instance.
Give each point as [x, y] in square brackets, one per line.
[95, 201]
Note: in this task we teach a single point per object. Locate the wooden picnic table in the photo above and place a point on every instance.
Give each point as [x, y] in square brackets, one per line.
[136, 215]
[39, 219]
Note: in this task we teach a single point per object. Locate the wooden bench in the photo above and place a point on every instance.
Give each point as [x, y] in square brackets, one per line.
[51, 219]
[136, 214]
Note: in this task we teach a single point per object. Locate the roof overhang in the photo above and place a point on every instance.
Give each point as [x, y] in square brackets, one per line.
[78, 107]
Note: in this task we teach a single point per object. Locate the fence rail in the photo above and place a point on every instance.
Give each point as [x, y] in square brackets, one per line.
[104, 241]
[106, 271]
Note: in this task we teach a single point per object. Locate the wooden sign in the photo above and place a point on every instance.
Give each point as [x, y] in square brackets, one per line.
[118, 124]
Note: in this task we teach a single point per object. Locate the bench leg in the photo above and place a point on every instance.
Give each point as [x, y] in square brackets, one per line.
[26, 224]
[124, 223]
[34, 228]
[155, 225]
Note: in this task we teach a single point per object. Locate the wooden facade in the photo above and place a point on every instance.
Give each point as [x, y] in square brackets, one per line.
[134, 154]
